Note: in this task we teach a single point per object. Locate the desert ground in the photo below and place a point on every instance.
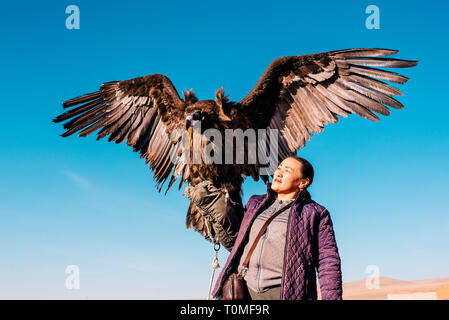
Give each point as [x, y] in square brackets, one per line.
[389, 288]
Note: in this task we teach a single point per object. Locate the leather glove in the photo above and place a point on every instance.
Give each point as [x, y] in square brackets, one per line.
[206, 196]
[215, 205]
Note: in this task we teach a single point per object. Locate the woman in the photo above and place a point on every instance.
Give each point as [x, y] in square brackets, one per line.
[296, 243]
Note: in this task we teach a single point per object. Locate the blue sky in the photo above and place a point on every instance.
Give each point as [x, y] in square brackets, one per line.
[77, 201]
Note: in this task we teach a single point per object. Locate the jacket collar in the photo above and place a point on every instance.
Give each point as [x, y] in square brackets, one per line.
[302, 195]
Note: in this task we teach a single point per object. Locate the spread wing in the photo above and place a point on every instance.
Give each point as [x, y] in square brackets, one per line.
[144, 111]
[299, 95]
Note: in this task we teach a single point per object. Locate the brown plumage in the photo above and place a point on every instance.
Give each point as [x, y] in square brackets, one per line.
[298, 95]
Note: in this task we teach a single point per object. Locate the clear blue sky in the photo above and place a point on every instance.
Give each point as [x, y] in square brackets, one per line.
[77, 201]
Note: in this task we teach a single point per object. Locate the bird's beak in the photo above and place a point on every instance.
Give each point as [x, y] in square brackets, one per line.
[188, 122]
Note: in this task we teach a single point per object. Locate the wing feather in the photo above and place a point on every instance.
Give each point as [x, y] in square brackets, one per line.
[300, 95]
[142, 111]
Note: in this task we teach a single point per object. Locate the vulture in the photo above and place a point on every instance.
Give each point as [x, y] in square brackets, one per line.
[295, 97]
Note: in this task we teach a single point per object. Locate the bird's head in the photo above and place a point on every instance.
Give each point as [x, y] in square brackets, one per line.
[194, 118]
[210, 113]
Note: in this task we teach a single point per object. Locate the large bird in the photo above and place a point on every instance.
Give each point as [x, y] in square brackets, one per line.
[297, 95]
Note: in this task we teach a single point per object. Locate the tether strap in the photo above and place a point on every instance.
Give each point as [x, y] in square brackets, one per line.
[215, 265]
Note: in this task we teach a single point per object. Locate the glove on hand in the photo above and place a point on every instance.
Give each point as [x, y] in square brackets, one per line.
[214, 205]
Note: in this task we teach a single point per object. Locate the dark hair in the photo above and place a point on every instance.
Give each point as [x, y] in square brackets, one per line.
[306, 168]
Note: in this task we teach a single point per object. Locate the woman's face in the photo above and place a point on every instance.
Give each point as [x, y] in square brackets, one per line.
[288, 177]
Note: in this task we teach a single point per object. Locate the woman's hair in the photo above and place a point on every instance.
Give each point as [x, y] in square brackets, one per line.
[306, 170]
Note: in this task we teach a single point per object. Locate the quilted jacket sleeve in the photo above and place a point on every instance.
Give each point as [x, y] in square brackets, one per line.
[329, 264]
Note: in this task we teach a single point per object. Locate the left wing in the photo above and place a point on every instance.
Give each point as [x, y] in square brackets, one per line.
[299, 95]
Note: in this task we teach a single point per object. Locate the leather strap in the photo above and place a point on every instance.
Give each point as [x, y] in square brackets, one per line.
[261, 232]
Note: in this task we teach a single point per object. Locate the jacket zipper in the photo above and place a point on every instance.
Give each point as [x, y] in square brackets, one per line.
[261, 205]
[259, 258]
[287, 237]
[265, 236]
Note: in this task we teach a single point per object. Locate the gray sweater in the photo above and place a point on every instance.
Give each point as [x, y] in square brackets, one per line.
[266, 262]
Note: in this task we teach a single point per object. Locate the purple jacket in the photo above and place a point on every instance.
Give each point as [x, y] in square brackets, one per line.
[310, 245]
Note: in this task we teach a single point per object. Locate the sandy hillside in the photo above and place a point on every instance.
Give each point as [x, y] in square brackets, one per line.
[357, 290]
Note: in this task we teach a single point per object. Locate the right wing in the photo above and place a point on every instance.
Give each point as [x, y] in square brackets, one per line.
[299, 95]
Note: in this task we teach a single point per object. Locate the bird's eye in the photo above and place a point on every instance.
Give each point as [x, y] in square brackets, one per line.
[196, 116]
